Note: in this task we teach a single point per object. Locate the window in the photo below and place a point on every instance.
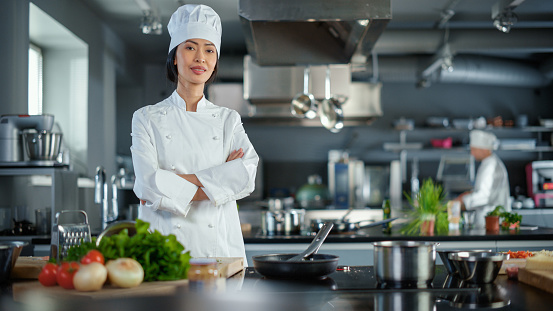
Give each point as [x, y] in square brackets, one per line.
[35, 80]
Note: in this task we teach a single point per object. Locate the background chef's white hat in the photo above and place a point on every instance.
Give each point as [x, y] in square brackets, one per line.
[195, 21]
[483, 140]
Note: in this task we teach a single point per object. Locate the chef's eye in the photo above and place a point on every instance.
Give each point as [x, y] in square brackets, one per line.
[191, 48]
[210, 50]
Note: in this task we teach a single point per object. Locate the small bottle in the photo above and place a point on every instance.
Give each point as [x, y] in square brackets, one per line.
[386, 214]
[203, 275]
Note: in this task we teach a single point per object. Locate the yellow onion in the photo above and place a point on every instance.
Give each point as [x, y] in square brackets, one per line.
[125, 272]
[90, 277]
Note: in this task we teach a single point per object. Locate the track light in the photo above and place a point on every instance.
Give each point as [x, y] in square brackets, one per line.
[150, 24]
[503, 16]
[504, 21]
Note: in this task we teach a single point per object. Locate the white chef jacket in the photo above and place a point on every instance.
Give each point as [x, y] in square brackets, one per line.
[491, 188]
[168, 140]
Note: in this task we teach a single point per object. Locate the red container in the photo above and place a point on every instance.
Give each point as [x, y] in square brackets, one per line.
[442, 143]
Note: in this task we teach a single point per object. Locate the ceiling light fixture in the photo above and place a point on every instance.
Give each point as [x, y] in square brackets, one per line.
[150, 24]
[504, 21]
[503, 16]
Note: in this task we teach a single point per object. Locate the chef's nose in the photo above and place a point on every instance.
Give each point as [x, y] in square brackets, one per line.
[200, 58]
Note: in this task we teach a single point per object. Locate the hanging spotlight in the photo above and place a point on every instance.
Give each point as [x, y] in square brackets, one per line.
[150, 24]
[504, 21]
[503, 16]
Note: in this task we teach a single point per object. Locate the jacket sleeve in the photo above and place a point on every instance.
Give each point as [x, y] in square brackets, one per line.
[232, 180]
[481, 194]
[161, 189]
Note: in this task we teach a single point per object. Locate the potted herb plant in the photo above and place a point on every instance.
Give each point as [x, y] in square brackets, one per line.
[510, 221]
[492, 218]
[429, 210]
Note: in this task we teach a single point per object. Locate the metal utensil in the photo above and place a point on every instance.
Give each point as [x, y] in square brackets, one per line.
[66, 235]
[117, 227]
[331, 114]
[343, 219]
[316, 244]
[303, 105]
[348, 227]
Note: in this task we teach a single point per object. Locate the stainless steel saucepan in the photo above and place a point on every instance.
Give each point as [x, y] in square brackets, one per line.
[405, 262]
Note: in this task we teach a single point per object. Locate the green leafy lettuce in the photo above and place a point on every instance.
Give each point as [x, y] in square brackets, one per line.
[162, 257]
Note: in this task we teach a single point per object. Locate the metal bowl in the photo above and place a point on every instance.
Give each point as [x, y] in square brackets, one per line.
[478, 267]
[448, 264]
[9, 252]
[116, 227]
[42, 145]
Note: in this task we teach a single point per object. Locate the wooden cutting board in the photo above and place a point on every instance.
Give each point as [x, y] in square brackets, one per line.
[28, 267]
[227, 267]
[542, 279]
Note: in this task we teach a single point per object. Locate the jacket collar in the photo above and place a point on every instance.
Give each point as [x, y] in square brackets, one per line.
[203, 104]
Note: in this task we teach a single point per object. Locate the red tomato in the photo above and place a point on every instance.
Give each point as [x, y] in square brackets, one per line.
[66, 271]
[47, 276]
[92, 256]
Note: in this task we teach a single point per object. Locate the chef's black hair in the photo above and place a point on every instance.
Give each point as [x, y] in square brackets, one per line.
[173, 73]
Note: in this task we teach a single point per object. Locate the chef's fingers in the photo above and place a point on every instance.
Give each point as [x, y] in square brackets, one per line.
[236, 154]
[142, 202]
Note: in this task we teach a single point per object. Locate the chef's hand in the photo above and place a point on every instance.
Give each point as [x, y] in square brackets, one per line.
[236, 154]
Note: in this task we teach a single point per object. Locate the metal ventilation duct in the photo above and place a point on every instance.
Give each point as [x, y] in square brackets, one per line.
[292, 32]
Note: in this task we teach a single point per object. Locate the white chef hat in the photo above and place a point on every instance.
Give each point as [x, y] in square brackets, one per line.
[483, 140]
[195, 21]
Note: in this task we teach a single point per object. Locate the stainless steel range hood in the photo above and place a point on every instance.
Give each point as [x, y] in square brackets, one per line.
[300, 32]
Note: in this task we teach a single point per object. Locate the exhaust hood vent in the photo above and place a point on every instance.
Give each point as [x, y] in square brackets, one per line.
[269, 91]
[311, 32]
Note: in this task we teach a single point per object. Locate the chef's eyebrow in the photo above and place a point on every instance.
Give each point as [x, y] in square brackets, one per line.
[196, 43]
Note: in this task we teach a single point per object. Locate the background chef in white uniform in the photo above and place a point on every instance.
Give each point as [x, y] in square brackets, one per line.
[491, 187]
[193, 159]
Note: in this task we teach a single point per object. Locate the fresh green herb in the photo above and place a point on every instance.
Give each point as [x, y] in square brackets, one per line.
[498, 210]
[428, 203]
[162, 257]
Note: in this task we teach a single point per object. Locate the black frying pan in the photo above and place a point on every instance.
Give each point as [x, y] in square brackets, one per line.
[276, 266]
[306, 265]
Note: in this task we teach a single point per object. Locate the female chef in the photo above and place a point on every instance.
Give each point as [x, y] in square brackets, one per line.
[491, 187]
[193, 159]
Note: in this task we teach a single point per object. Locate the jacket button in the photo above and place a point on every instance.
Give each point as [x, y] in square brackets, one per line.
[214, 115]
[164, 112]
[173, 167]
[168, 136]
[210, 226]
[215, 137]
[178, 226]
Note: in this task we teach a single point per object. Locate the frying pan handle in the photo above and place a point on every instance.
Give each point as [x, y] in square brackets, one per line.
[313, 248]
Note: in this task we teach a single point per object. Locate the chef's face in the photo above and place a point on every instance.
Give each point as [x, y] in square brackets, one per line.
[480, 154]
[195, 60]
